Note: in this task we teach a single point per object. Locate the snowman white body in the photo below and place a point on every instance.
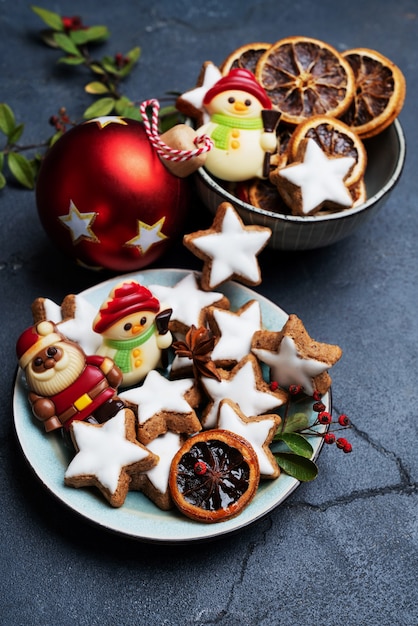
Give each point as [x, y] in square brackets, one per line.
[244, 143]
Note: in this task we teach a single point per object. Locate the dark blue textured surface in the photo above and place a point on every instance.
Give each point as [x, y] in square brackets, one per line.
[339, 551]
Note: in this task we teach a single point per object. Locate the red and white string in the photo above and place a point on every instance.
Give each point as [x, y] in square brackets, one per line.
[203, 143]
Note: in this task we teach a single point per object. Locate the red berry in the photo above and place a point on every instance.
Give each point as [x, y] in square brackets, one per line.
[341, 442]
[324, 417]
[347, 448]
[318, 407]
[343, 420]
[316, 395]
[329, 438]
[200, 468]
[295, 389]
[274, 385]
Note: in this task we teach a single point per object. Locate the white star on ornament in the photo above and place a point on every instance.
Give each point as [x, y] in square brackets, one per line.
[105, 120]
[79, 224]
[236, 331]
[186, 300]
[259, 432]
[320, 178]
[229, 248]
[242, 385]
[104, 451]
[288, 368]
[147, 235]
[196, 96]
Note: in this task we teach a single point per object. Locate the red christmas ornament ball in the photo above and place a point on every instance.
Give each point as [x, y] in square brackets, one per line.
[105, 198]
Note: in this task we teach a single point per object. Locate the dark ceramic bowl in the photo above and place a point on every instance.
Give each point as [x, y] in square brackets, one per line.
[386, 156]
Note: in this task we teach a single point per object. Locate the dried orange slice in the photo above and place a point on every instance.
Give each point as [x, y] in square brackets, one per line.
[214, 475]
[380, 90]
[262, 194]
[246, 57]
[305, 77]
[336, 139]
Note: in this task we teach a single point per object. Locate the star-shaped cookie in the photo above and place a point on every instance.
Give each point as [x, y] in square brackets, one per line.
[189, 302]
[191, 102]
[234, 332]
[244, 385]
[162, 406]
[315, 181]
[107, 456]
[228, 249]
[259, 431]
[295, 358]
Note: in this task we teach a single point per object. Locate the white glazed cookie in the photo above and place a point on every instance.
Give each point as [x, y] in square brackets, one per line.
[107, 456]
[295, 358]
[161, 406]
[244, 385]
[228, 249]
[259, 431]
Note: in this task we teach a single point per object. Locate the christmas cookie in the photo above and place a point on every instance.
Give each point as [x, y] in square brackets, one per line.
[134, 330]
[107, 456]
[245, 385]
[190, 103]
[314, 181]
[214, 475]
[295, 358]
[233, 332]
[163, 405]
[154, 482]
[259, 431]
[74, 318]
[229, 249]
[188, 302]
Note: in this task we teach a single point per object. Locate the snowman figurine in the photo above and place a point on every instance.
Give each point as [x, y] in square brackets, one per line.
[134, 330]
[236, 104]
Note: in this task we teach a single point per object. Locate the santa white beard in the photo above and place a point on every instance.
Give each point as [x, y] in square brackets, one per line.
[62, 375]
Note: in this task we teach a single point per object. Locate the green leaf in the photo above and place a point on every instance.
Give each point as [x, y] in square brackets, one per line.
[134, 54]
[2, 181]
[297, 466]
[7, 119]
[72, 60]
[297, 421]
[21, 169]
[96, 87]
[125, 108]
[101, 107]
[297, 443]
[16, 133]
[49, 17]
[55, 138]
[97, 69]
[65, 43]
[1, 160]
[94, 33]
[109, 65]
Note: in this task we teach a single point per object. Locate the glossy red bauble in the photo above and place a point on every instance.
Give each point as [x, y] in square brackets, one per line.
[105, 198]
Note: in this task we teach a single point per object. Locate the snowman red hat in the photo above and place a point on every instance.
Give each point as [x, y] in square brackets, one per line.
[34, 339]
[126, 298]
[239, 80]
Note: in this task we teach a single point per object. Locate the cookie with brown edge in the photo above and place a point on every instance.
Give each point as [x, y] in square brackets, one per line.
[107, 456]
[294, 358]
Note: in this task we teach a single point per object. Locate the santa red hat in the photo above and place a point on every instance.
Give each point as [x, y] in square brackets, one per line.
[125, 299]
[242, 80]
[35, 339]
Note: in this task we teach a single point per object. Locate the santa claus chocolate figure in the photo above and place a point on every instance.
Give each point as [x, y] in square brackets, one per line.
[64, 383]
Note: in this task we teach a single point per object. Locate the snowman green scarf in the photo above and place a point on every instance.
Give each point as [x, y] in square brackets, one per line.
[122, 356]
[225, 123]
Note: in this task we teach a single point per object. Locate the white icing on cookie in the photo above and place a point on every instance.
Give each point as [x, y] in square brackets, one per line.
[157, 394]
[259, 433]
[320, 178]
[79, 328]
[165, 447]
[196, 96]
[104, 451]
[288, 368]
[186, 300]
[243, 388]
[233, 249]
[236, 331]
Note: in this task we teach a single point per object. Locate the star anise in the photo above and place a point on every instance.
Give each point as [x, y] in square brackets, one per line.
[197, 346]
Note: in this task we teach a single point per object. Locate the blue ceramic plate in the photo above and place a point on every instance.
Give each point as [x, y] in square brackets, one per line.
[139, 518]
